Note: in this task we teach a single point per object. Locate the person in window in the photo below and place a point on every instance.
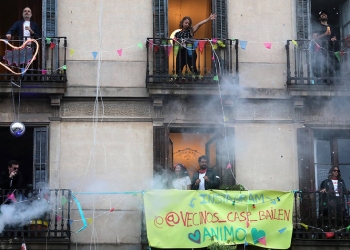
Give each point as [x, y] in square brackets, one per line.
[11, 178]
[325, 36]
[186, 54]
[25, 27]
[205, 178]
[182, 180]
[332, 192]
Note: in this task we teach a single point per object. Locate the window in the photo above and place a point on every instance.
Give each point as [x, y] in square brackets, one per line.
[30, 150]
[185, 144]
[318, 151]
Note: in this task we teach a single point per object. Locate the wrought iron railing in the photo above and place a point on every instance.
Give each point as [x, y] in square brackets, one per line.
[312, 62]
[35, 214]
[321, 216]
[49, 64]
[209, 60]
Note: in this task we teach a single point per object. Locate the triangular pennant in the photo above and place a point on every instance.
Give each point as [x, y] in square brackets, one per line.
[94, 54]
[120, 52]
[304, 225]
[317, 48]
[48, 40]
[63, 200]
[155, 48]
[282, 230]
[195, 44]
[89, 221]
[262, 240]
[52, 45]
[170, 48]
[12, 197]
[43, 71]
[225, 119]
[58, 218]
[176, 50]
[71, 52]
[216, 78]
[70, 222]
[64, 67]
[213, 58]
[201, 45]
[214, 40]
[295, 43]
[337, 55]
[215, 46]
[23, 71]
[229, 166]
[243, 44]
[247, 223]
[111, 210]
[267, 45]
[140, 45]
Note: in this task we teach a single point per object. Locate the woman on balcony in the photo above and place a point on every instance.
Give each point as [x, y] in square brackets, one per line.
[182, 181]
[187, 54]
[332, 200]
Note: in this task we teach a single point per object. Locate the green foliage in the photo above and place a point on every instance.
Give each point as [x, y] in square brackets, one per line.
[238, 187]
[229, 245]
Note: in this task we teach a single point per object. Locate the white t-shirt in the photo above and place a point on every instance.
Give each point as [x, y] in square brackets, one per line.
[335, 185]
[201, 184]
[182, 183]
[26, 32]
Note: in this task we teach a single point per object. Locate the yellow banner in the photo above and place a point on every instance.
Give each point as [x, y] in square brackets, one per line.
[193, 219]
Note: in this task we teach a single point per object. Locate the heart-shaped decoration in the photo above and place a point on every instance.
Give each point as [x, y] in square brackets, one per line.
[195, 237]
[24, 48]
[257, 235]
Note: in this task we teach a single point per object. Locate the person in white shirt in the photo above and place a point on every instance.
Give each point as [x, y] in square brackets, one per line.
[182, 180]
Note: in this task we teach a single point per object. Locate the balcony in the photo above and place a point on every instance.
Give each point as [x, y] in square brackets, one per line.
[36, 217]
[216, 66]
[46, 75]
[316, 224]
[318, 68]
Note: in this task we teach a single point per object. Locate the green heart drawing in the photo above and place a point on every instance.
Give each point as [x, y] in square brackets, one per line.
[257, 234]
[195, 237]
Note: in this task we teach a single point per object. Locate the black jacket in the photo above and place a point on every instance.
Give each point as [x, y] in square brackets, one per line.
[5, 180]
[17, 29]
[213, 182]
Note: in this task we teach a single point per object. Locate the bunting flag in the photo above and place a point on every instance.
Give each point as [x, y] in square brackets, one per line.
[52, 45]
[94, 54]
[140, 45]
[89, 221]
[267, 45]
[170, 48]
[64, 67]
[317, 48]
[12, 197]
[58, 218]
[111, 210]
[120, 52]
[70, 222]
[155, 48]
[228, 165]
[48, 40]
[43, 71]
[195, 44]
[214, 40]
[71, 52]
[23, 71]
[243, 44]
[216, 78]
[337, 55]
[201, 45]
[176, 50]
[295, 43]
[63, 200]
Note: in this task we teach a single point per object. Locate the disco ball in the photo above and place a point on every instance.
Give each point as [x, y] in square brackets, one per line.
[17, 129]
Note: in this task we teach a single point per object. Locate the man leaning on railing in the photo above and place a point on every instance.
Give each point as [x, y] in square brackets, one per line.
[25, 27]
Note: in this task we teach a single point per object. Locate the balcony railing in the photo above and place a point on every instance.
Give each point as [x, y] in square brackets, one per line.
[318, 216]
[48, 70]
[36, 215]
[311, 62]
[215, 60]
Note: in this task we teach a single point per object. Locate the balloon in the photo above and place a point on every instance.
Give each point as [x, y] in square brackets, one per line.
[17, 129]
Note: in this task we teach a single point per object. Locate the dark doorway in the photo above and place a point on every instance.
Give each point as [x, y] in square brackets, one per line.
[19, 149]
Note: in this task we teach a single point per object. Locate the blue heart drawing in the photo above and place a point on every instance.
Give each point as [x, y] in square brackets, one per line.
[195, 237]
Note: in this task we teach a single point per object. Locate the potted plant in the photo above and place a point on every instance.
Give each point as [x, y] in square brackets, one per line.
[229, 245]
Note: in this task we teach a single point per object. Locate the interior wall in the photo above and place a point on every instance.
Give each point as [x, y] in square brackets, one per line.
[198, 10]
[187, 147]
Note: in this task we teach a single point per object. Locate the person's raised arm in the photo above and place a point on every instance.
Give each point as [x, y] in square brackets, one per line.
[198, 25]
